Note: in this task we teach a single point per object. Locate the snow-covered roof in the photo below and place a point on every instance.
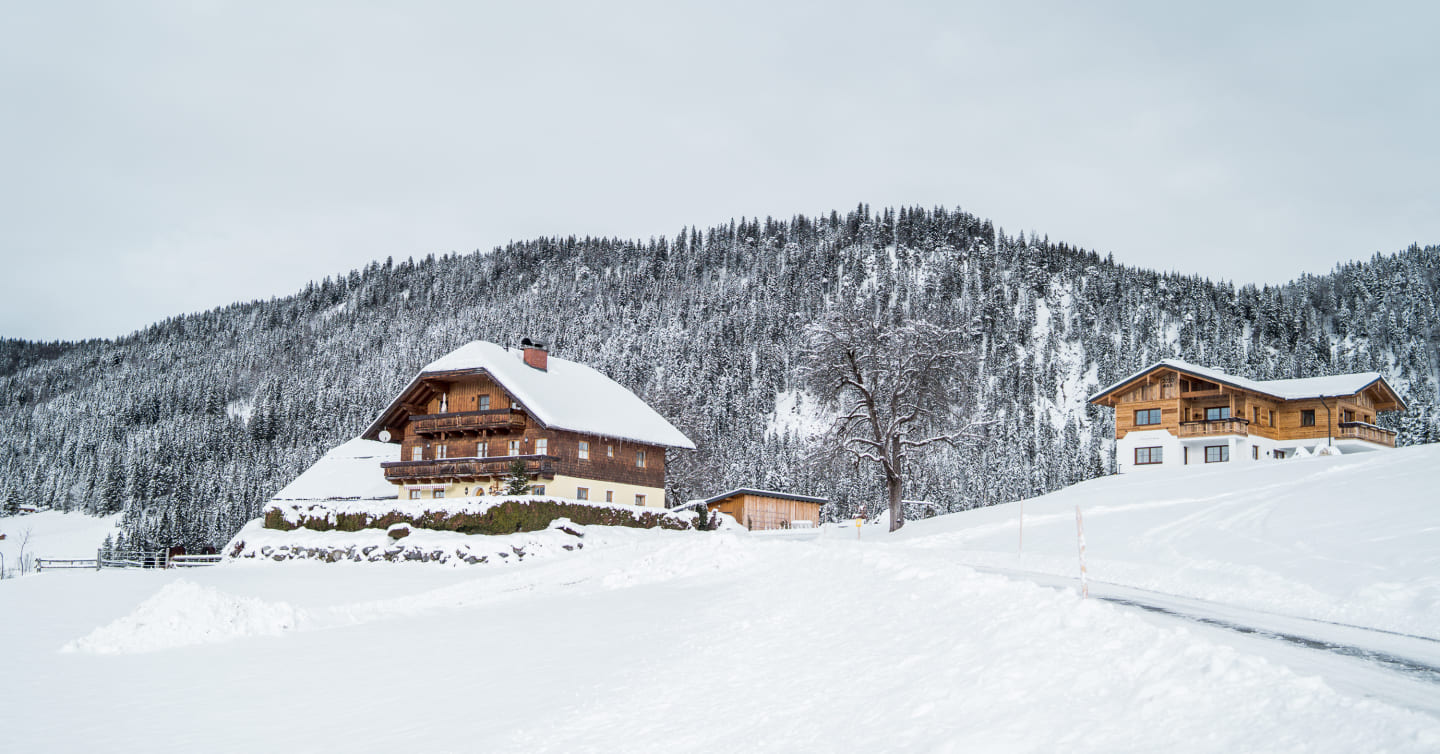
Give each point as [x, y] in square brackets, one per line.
[1292, 389]
[565, 395]
[765, 493]
[350, 471]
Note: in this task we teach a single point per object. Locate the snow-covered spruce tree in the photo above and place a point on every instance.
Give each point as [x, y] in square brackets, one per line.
[894, 383]
[517, 482]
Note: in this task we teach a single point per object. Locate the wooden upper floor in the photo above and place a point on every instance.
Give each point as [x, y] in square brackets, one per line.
[468, 427]
[1190, 401]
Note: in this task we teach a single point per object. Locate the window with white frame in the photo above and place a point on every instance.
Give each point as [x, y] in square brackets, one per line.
[444, 403]
[437, 494]
[514, 447]
[584, 451]
[441, 451]
[417, 453]
[640, 459]
[542, 446]
[609, 451]
[414, 494]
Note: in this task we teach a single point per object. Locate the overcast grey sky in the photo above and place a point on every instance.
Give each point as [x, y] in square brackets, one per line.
[158, 158]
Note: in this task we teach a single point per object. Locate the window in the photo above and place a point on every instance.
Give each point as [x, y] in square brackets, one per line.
[1348, 416]
[542, 447]
[639, 499]
[1279, 455]
[1307, 418]
[514, 447]
[639, 459]
[417, 453]
[444, 403]
[1255, 415]
[484, 403]
[609, 451]
[440, 451]
[1149, 456]
[1255, 452]
[584, 452]
[1272, 418]
[414, 494]
[514, 405]
[1217, 453]
[1148, 416]
[1213, 414]
[538, 489]
[437, 494]
[582, 493]
[609, 496]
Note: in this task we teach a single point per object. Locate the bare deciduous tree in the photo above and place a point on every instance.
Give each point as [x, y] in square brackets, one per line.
[894, 386]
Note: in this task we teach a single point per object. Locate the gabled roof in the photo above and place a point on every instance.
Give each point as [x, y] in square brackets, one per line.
[350, 471]
[765, 493]
[1291, 389]
[566, 395]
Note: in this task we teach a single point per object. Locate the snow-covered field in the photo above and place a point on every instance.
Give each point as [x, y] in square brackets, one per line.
[53, 534]
[685, 641]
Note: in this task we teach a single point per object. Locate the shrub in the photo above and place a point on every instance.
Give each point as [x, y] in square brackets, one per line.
[507, 517]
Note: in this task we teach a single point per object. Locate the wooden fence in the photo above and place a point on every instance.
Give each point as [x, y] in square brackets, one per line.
[128, 559]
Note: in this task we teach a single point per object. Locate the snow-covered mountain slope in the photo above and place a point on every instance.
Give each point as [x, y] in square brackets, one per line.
[728, 642]
[1353, 539]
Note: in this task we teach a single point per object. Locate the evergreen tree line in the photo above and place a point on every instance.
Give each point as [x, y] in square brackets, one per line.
[190, 425]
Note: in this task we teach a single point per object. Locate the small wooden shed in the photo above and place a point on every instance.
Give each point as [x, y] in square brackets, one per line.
[766, 509]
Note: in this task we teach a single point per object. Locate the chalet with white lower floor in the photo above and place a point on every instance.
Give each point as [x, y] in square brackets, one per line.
[1173, 414]
[468, 417]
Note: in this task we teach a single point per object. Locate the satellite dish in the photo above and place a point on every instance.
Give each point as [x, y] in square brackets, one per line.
[384, 435]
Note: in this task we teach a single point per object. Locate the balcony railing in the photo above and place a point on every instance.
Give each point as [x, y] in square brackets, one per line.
[1209, 427]
[467, 468]
[469, 421]
[1370, 432]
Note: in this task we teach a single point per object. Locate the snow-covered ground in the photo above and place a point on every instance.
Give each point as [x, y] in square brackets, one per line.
[1353, 539]
[650, 640]
[53, 535]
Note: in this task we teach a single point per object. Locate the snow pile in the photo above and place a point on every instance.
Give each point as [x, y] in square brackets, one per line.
[183, 613]
[1352, 539]
[401, 543]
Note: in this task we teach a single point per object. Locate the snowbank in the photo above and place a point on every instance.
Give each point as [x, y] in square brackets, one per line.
[183, 613]
[400, 543]
[1352, 539]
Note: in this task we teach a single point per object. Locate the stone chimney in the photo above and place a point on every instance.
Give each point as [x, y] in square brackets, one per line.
[535, 354]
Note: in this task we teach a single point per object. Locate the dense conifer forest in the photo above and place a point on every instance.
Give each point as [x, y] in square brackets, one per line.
[188, 426]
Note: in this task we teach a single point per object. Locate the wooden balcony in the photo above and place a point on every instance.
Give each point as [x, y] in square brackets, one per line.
[1212, 427]
[495, 420]
[467, 468]
[1369, 432]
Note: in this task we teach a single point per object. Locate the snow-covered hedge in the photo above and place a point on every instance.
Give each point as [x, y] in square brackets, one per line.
[475, 515]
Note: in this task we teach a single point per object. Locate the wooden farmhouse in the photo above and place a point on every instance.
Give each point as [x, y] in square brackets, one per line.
[1175, 414]
[467, 417]
[764, 509]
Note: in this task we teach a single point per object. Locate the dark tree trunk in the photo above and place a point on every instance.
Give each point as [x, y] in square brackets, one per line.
[893, 485]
